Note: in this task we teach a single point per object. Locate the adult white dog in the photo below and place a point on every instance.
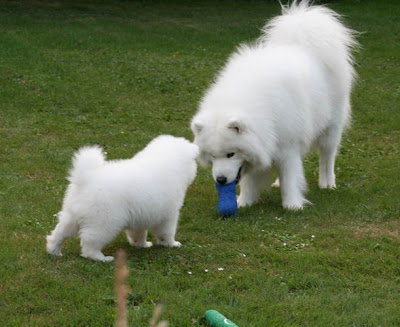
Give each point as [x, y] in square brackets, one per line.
[138, 194]
[277, 98]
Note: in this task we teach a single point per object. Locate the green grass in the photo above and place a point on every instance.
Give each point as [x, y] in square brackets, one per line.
[118, 73]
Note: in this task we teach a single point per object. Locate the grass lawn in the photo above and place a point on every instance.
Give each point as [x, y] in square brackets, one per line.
[119, 73]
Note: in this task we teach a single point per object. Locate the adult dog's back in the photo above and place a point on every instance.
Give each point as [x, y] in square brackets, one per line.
[276, 98]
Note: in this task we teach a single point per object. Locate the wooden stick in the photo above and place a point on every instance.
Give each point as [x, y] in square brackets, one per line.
[156, 315]
[121, 273]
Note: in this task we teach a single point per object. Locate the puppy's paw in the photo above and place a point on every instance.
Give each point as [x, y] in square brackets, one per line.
[173, 244]
[108, 258]
[52, 248]
[96, 255]
[54, 251]
[143, 245]
[176, 244]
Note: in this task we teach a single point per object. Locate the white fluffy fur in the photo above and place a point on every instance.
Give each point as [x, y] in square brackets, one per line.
[138, 194]
[277, 98]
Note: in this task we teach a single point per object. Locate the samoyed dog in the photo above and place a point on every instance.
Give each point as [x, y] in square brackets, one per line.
[277, 98]
[138, 194]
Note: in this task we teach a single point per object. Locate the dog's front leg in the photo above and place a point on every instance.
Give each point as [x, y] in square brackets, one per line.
[292, 180]
[251, 184]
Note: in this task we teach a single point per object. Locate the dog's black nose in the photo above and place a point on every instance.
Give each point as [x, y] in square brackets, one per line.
[221, 180]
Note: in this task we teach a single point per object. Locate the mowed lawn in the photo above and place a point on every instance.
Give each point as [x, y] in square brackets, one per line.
[119, 73]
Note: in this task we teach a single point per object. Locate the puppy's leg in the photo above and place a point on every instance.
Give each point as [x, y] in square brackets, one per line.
[327, 146]
[292, 180]
[251, 184]
[94, 238]
[138, 238]
[67, 227]
[165, 232]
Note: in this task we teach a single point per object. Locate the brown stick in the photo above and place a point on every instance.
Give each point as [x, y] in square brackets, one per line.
[156, 315]
[121, 274]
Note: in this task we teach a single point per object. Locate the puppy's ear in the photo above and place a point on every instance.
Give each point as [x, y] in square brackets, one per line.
[196, 126]
[237, 125]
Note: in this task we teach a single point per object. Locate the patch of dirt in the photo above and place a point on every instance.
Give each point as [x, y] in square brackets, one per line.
[389, 229]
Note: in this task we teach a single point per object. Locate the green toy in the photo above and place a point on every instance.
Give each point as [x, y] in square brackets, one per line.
[215, 319]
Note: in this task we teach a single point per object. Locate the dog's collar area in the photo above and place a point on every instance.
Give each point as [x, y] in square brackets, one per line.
[239, 174]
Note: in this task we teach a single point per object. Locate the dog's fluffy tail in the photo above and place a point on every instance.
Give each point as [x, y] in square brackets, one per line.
[316, 28]
[85, 161]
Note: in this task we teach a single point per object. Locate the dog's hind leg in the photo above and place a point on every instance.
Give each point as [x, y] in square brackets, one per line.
[165, 232]
[251, 184]
[327, 145]
[138, 238]
[67, 227]
[94, 238]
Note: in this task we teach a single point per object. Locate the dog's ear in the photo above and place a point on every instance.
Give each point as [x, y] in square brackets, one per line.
[237, 125]
[197, 126]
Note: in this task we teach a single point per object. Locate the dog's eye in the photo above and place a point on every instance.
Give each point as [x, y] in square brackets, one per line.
[230, 155]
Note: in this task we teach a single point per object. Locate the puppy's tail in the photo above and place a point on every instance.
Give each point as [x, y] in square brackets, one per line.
[316, 28]
[85, 161]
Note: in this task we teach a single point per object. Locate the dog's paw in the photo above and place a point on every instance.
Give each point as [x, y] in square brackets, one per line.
[293, 206]
[329, 186]
[276, 183]
[244, 202]
[297, 205]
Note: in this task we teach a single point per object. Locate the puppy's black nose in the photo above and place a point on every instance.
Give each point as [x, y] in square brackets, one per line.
[221, 180]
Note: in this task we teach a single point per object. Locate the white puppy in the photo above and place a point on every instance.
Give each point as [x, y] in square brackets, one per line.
[277, 98]
[138, 194]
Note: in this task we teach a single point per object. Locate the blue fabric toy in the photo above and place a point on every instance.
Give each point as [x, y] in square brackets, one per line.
[227, 204]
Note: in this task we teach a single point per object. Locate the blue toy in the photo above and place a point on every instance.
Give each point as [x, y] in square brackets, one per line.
[227, 204]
